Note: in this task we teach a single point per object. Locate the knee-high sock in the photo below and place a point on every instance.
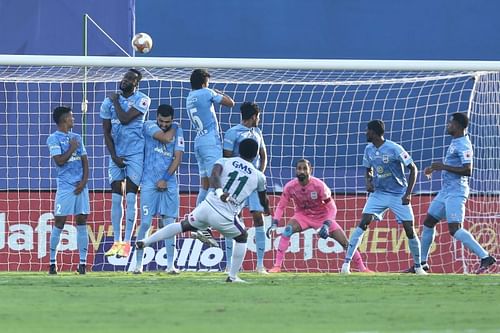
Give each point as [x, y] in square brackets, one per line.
[169, 243]
[82, 242]
[354, 241]
[470, 242]
[414, 244]
[166, 232]
[229, 251]
[260, 244]
[427, 239]
[358, 261]
[141, 233]
[282, 247]
[116, 216]
[202, 194]
[130, 216]
[55, 236]
[237, 259]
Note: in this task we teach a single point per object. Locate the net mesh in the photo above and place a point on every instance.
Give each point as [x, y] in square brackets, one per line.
[318, 115]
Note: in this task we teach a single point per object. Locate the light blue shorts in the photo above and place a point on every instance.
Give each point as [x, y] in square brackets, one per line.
[207, 150]
[253, 202]
[133, 169]
[165, 203]
[67, 203]
[448, 206]
[379, 202]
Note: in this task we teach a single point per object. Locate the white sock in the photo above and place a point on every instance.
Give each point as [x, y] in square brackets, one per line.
[166, 232]
[239, 251]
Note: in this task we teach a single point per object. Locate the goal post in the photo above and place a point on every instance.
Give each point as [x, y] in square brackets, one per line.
[316, 109]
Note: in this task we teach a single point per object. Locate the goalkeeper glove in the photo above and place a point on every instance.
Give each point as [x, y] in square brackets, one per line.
[272, 227]
[324, 230]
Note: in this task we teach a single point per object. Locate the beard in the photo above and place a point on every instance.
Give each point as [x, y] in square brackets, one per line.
[301, 177]
[368, 139]
[126, 87]
[166, 129]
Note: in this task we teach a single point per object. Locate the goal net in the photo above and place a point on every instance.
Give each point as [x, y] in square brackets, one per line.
[320, 115]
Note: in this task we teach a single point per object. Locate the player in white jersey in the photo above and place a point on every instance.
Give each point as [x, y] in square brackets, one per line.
[234, 180]
[449, 204]
[123, 118]
[72, 195]
[250, 117]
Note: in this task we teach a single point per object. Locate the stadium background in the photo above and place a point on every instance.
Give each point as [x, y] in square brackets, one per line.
[360, 29]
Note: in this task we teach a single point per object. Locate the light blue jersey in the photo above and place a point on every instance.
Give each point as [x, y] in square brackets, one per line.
[240, 132]
[70, 173]
[128, 139]
[388, 162]
[459, 153]
[157, 155]
[201, 111]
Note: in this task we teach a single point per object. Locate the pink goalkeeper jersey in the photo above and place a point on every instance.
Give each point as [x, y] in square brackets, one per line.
[312, 200]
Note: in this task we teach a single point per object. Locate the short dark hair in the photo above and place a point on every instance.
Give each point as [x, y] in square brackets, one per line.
[303, 160]
[138, 72]
[461, 118]
[248, 109]
[198, 78]
[165, 110]
[59, 112]
[248, 149]
[377, 126]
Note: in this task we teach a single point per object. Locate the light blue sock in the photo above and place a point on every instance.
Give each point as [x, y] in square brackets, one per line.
[169, 243]
[116, 216]
[354, 241]
[229, 251]
[130, 216]
[55, 236]
[468, 240]
[202, 194]
[260, 243]
[427, 240]
[141, 234]
[82, 242]
[414, 245]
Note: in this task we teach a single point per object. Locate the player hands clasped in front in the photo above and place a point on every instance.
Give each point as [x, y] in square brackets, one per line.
[250, 116]
[163, 152]
[234, 179]
[388, 188]
[123, 118]
[72, 195]
[449, 204]
[314, 208]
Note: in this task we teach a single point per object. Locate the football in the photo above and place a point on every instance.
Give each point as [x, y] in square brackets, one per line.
[142, 42]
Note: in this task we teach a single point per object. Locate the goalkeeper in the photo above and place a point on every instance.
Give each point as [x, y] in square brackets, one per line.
[314, 208]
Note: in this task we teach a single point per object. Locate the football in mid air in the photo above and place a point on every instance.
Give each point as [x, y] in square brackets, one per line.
[142, 42]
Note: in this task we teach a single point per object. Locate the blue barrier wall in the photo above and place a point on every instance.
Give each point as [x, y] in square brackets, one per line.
[354, 29]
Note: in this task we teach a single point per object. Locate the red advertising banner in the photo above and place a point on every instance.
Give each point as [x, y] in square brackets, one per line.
[26, 220]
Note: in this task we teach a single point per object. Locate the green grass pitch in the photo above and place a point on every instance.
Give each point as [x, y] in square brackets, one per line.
[203, 302]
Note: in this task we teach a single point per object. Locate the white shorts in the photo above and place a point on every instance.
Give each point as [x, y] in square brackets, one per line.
[205, 216]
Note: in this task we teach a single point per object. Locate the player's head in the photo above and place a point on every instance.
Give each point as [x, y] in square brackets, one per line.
[375, 128]
[457, 123]
[63, 116]
[303, 169]
[250, 111]
[165, 117]
[199, 79]
[130, 81]
[248, 149]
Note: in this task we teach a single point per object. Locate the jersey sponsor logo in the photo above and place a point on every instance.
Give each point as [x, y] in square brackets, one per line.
[180, 141]
[405, 156]
[380, 170]
[385, 158]
[163, 151]
[243, 167]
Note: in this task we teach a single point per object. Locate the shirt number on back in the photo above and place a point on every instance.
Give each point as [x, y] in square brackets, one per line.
[195, 120]
[232, 177]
